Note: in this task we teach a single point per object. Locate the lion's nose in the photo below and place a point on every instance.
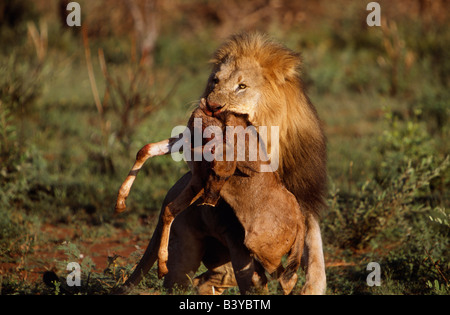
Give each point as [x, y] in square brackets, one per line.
[213, 107]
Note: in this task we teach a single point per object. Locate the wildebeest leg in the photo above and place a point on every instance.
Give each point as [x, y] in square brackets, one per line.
[151, 252]
[189, 194]
[148, 151]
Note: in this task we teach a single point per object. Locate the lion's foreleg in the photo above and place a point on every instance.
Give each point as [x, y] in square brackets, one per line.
[313, 259]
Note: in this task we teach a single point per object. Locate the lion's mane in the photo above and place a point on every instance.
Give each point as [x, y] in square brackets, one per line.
[284, 103]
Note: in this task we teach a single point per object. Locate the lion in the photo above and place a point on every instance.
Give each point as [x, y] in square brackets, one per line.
[259, 77]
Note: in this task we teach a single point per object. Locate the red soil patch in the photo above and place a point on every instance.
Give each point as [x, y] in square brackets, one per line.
[33, 261]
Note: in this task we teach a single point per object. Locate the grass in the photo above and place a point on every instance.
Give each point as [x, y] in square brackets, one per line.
[381, 93]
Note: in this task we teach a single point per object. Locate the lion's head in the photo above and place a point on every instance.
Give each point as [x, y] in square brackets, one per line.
[256, 76]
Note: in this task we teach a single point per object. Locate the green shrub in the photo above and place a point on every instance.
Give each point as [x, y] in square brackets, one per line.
[20, 82]
[404, 166]
[392, 209]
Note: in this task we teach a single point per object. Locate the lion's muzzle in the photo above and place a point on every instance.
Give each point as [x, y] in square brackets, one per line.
[213, 107]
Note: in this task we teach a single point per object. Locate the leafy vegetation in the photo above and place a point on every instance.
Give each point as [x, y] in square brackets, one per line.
[77, 104]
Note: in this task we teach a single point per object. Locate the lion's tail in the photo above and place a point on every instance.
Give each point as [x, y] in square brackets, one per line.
[146, 262]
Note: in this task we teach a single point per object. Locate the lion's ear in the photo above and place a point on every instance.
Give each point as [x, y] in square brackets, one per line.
[284, 66]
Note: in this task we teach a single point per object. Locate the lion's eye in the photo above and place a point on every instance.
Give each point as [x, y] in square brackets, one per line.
[242, 86]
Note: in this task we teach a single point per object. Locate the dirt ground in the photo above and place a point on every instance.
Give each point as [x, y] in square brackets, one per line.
[34, 260]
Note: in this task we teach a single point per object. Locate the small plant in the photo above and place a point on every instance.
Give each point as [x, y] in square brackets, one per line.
[438, 288]
[127, 103]
[8, 134]
[441, 217]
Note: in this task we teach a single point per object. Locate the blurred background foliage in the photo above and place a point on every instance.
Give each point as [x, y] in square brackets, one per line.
[77, 103]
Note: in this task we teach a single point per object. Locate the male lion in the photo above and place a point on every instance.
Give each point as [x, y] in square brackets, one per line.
[255, 76]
